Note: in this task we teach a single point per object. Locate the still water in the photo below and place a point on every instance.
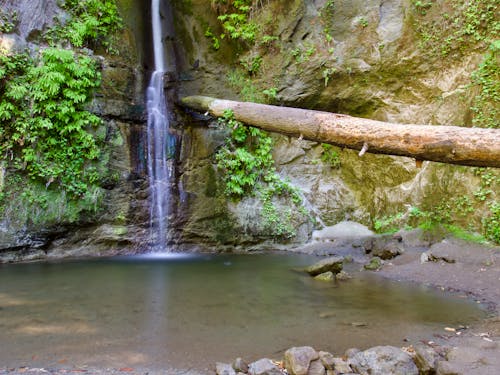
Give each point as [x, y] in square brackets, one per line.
[189, 312]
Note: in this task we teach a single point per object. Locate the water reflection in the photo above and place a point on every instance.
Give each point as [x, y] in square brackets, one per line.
[191, 311]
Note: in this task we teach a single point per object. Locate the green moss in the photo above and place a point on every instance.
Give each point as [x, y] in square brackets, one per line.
[25, 202]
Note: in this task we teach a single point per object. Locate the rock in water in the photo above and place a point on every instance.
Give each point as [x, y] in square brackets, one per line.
[224, 369]
[426, 359]
[375, 264]
[332, 264]
[325, 276]
[263, 366]
[298, 359]
[383, 360]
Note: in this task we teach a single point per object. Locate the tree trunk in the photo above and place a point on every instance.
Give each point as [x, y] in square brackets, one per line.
[447, 144]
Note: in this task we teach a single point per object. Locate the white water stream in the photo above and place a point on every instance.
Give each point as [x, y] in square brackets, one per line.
[157, 138]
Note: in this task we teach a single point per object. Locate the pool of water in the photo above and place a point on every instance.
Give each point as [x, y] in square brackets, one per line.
[191, 311]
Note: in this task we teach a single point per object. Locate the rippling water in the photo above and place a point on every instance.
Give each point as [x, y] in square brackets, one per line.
[190, 311]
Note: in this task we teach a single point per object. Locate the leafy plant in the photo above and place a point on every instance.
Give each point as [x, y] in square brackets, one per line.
[491, 223]
[44, 121]
[330, 156]
[327, 74]
[215, 41]
[92, 23]
[245, 158]
[271, 94]
[8, 21]
[248, 169]
[487, 80]
[235, 19]
[252, 64]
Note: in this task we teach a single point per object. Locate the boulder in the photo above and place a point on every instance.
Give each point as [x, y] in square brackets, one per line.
[344, 229]
[426, 359]
[375, 264]
[327, 359]
[383, 360]
[385, 246]
[333, 264]
[263, 366]
[316, 368]
[325, 276]
[224, 369]
[240, 365]
[298, 359]
[341, 367]
[447, 368]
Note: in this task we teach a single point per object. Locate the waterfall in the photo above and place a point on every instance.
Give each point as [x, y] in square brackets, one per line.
[157, 137]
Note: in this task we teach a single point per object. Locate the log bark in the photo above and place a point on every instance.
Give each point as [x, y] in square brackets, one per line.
[447, 144]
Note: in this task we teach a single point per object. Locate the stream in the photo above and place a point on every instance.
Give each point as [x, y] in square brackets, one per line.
[190, 311]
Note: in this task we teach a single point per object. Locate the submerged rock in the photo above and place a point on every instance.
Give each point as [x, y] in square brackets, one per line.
[298, 359]
[325, 276]
[333, 264]
[383, 360]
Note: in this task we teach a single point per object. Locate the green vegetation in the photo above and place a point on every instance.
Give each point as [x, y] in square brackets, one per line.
[330, 156]
[8, 21]
[47, 134]
[467, 23]
[92, 23]
[486, 79]
[235, 19]
[248, 169]
[44, 121]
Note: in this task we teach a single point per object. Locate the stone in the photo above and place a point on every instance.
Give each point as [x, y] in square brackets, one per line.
[240, 365]
[333, 264]
[325, 276]
[327, 359]
[447, 368]
[351, 352]
[316, 368]
[383, 360]
[383, 246]
[389, 251]
[341, 367]
[298, 359]
[263, 366]
[426, 359]
[374, 264]
[342, 275]
[344, 229]
[224, 369]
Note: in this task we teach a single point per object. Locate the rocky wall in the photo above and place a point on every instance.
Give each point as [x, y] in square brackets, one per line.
[362, 58]
[116, 219]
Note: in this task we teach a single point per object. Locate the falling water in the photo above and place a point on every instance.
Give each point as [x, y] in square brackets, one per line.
[157, 137]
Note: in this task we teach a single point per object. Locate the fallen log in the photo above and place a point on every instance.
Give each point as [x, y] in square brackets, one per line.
[447, 144]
